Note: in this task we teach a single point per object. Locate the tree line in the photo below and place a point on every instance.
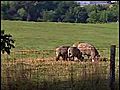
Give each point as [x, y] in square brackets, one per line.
[59, 11]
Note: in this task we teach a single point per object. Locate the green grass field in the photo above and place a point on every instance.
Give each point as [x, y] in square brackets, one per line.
[46, 73]
[48, 35]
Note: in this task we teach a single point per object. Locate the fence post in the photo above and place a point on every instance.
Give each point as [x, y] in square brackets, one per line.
[112, 67]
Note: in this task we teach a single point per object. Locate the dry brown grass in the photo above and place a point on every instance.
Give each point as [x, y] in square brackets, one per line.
[49, 71]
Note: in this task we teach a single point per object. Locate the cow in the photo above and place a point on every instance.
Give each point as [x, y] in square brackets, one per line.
[62, 51]
[89, 50]
[74, 52]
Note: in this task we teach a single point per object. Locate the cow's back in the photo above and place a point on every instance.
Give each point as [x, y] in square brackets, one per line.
[86, 48]
[61, 50]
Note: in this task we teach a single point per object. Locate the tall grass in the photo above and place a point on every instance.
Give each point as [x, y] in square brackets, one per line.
[56, 75]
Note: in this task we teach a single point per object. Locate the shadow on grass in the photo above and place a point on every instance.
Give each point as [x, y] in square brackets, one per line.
[74, 76]
[97, 84]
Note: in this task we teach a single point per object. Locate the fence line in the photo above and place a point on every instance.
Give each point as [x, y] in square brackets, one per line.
[53, 50]
[49, 74]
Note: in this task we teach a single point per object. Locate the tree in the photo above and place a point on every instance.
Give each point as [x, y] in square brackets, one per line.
[113, 13]
[6, 42]
[69, 17]
[49, 15]
[80, 14]
[93, 17]
[22, 13]
[4, 9]
[103, 16]
[59, 11]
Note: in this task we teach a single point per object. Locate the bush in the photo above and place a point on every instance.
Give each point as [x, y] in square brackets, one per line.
[6, 42]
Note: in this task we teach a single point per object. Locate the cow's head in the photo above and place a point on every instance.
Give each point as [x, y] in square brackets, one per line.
[70, 53]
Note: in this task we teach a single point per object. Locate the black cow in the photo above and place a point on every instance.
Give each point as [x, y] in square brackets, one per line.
[74, 52]
[62, 51]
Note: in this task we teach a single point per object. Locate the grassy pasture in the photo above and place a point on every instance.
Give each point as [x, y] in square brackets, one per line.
[48, 35]
[27, 71]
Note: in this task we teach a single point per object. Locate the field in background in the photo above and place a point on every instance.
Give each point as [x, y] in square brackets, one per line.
[38, 70]
[48, 35]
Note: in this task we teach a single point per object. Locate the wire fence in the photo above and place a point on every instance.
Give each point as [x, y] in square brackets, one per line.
[38, 70]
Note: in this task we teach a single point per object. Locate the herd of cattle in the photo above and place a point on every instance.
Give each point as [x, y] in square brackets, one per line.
[77, 50]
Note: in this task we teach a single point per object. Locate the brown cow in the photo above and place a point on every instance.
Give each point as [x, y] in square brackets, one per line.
[74, 52]
[89, 50]
[62, 51]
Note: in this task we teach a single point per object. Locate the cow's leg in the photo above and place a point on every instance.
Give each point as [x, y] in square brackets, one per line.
[72, 59]
[89, 57]
[57, 57]
[66, 56]
[93, 60]
[93, 56]
[63, 57]
[69, 58]
[79, 58]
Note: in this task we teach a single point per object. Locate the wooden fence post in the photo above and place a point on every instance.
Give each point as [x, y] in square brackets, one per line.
[112, 67]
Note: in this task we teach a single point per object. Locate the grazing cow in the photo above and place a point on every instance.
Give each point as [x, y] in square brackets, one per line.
[74, 52]
[62, 51]
[89, 50]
